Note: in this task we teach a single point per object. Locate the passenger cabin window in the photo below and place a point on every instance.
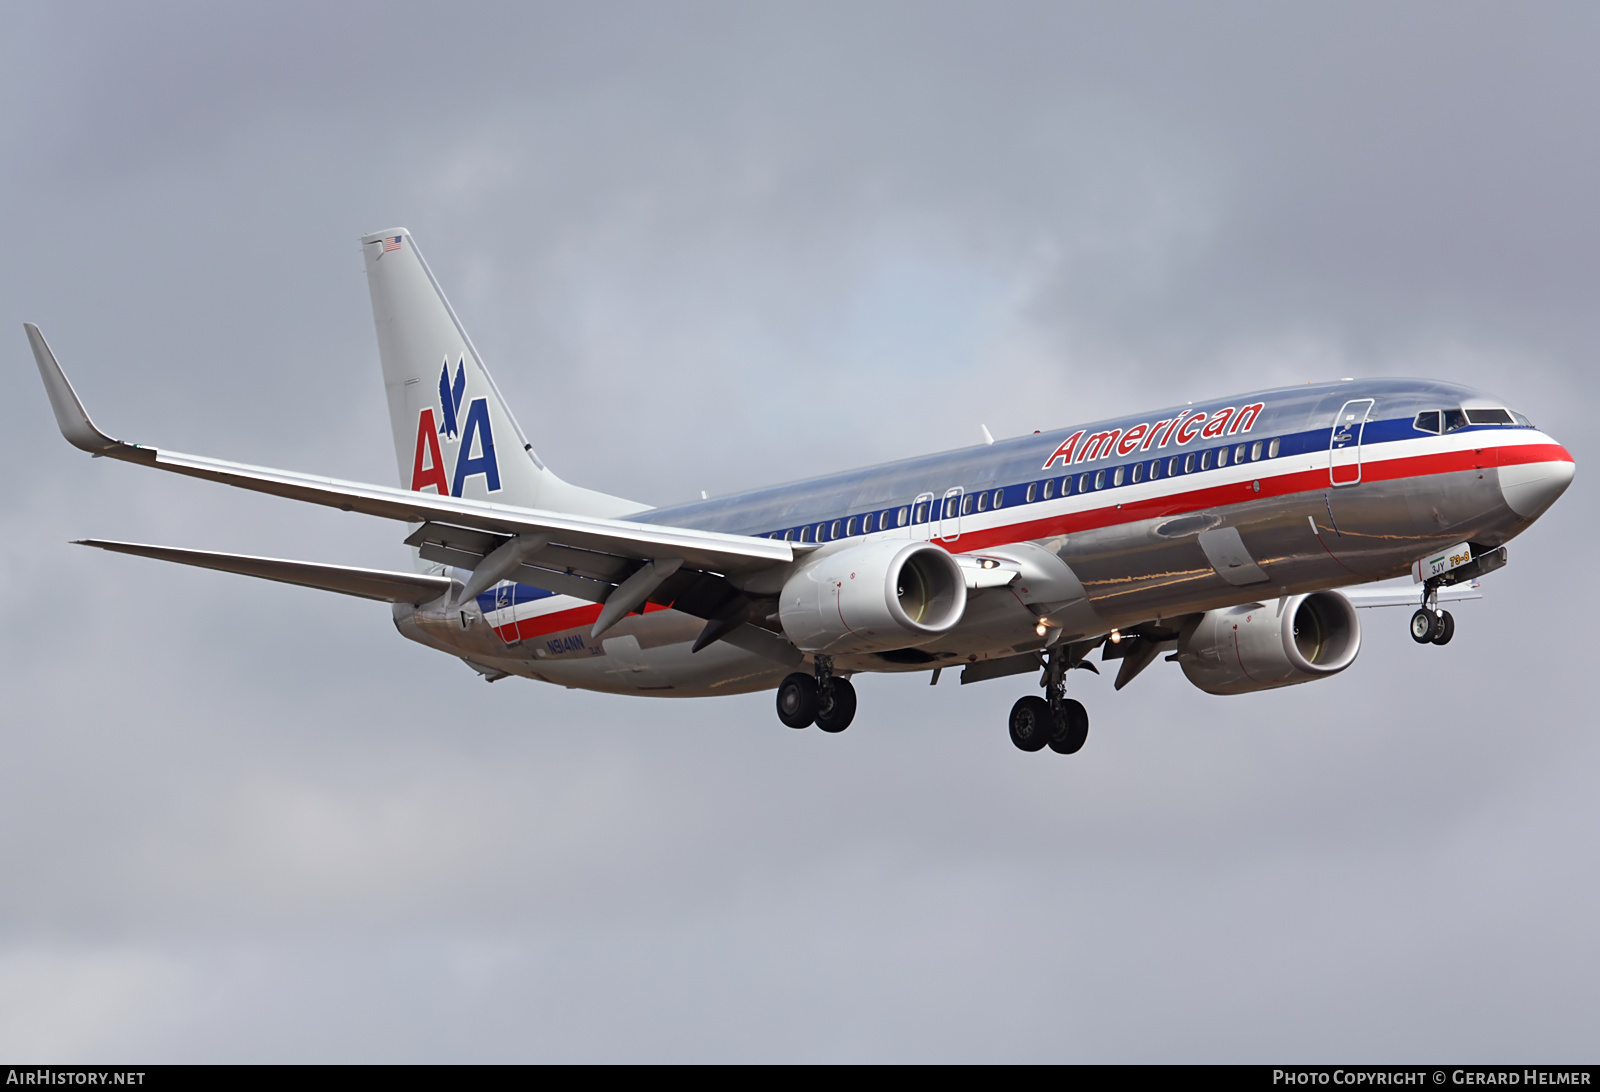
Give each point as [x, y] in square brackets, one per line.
[1049, 489]
[983, 502]
[1116, 476]
[805, 534]
[1188, 463]
[1099, 479]
[1238, 454]
[788, 536]
[1083, 483]
[1205, 460]
[1222, 457]
[1155, 469]
[1427, 421]
[922, 512]
[905, 514]
[833, 532]
[1138, 473]
[1033, 492]
[1272, 450]
[999, 498]
[1066, 486]
[866, 524]
[1255, 451]
[966, 505]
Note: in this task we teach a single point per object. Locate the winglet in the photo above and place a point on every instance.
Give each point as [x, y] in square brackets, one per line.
[70, 414]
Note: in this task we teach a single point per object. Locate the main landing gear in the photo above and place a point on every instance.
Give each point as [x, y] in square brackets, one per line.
[1055, 721]
[823, 699]
[1430, 625]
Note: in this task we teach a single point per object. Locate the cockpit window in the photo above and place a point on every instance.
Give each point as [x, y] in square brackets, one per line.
[1451, 419]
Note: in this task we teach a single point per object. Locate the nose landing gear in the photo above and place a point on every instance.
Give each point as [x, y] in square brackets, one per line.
[1055, 721]
[1430, 625]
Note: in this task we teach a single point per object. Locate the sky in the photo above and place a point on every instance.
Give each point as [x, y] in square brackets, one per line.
[712, 246]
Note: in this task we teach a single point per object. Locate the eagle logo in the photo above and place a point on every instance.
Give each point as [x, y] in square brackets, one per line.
[450, 395]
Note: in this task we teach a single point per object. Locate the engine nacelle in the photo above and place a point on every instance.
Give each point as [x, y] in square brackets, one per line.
[872, 598]
[1238, 650]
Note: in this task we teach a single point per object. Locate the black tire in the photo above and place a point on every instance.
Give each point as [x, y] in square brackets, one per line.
[1072, 728]
[841, 711]
[1031, 723]
[1447, 629]
[797, 700]
[1424, 625]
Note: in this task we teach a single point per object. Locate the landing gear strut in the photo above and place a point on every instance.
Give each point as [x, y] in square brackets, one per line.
[827, 700]
[1055, 720]
[1430, 625]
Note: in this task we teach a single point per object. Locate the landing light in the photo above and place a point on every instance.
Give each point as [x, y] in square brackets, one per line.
[1116, 637]
[1040, 629]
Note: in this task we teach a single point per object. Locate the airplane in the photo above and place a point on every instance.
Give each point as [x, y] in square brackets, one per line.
[1236, 535]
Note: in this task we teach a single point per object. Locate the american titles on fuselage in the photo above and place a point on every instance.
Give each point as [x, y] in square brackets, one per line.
[1185, 428]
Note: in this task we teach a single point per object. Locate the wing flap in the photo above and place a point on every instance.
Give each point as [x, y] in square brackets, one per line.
[379, 584]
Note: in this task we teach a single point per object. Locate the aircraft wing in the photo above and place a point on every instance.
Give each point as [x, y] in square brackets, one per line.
[388, 587]
[588, 548]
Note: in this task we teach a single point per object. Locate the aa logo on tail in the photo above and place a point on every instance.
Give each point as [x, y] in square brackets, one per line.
[429, 468]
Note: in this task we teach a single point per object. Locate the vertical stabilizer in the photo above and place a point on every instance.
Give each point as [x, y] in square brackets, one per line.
[453, 432]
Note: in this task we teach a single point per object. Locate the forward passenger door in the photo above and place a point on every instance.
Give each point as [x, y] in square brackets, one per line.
[1344, 444]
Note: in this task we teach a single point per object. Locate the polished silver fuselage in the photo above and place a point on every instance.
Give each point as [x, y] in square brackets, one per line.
[1330, 509]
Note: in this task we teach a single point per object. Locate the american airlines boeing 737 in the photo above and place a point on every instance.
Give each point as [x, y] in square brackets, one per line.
[1233, 534]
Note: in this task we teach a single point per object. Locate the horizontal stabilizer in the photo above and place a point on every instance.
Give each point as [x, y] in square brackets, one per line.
[388, 587]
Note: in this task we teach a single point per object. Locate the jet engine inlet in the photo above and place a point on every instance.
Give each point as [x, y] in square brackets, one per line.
[1261, 646]
[872, 597]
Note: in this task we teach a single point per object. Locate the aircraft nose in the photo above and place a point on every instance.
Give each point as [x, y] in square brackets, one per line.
[1530, 488]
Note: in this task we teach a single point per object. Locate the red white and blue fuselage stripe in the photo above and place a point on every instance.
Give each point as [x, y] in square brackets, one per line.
[1097, 496]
